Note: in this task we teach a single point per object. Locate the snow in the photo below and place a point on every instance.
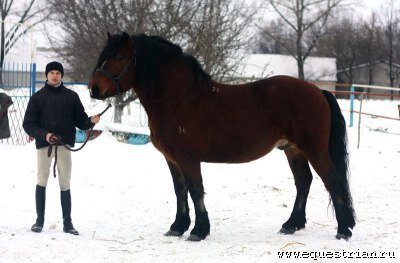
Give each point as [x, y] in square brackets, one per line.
[123, 128]
[123, 202]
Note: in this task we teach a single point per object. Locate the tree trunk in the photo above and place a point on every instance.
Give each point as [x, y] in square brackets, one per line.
[300, 66]
[299, 57]
[2, 54]
[118, 109]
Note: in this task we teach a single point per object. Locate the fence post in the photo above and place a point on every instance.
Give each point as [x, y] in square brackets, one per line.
[33, 68]
[33, 78]
[359, 120]
[351, 105]
[398, 107]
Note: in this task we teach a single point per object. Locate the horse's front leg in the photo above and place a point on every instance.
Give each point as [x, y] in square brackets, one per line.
[192, 174]
[182, 219]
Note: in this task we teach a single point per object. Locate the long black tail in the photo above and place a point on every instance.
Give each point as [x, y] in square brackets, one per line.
[339, 155]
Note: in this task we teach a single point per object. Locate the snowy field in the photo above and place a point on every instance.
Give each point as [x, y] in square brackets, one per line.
[123, 202]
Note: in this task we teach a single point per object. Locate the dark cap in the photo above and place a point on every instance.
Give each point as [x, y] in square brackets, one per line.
[54, 66]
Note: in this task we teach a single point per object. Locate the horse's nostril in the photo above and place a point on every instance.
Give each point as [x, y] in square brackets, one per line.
[95, 91]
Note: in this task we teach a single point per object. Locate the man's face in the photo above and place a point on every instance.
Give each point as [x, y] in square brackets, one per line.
[54, 77]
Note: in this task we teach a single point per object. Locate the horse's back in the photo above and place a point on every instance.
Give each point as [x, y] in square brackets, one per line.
[283, 96]
[282, 86]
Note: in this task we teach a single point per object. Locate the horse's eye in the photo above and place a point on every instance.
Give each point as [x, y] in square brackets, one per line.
[119, 58]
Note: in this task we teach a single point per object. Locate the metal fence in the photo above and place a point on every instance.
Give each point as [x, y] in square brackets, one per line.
[16, 82]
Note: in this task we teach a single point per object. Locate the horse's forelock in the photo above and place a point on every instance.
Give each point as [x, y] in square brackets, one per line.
[113, 44]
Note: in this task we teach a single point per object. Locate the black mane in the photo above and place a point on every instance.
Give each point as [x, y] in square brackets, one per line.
[152, 54]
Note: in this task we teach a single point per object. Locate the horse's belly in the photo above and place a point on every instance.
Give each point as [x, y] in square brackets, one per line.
[246, 153]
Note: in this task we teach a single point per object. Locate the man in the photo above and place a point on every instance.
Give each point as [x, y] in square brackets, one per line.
[53, 113]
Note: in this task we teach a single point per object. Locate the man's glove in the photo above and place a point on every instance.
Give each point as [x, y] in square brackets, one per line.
[52, 138]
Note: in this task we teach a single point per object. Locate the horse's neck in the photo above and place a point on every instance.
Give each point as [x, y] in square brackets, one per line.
[173, 99]
[153, 105]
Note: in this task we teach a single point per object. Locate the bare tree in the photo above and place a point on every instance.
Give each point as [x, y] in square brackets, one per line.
[343, 41]
[369, 34]
[216, 36]
[212, 31]
[84, 25]
[209, 30]
[305, 20]
[391, 28]
[282, 38]
[26, 17]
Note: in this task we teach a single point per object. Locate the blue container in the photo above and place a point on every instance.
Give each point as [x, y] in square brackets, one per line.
[138, 139]
[80, 136]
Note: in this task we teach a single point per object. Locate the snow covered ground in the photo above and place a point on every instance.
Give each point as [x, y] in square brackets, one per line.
[123, 202]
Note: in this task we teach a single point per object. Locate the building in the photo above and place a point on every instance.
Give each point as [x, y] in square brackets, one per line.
[376, 74]
[319, 70]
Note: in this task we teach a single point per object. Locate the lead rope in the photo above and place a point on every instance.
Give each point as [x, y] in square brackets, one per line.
[57, 141]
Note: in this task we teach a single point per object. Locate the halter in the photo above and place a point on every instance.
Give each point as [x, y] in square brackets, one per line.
[116, 79]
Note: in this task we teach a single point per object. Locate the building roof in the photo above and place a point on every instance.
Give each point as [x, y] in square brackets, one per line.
[366, 65]
[266, 65]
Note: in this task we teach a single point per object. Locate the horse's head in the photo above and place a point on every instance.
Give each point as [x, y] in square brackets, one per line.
[115, 68]
[146, 64]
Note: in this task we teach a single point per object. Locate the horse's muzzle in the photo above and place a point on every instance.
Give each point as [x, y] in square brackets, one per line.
[94, 91]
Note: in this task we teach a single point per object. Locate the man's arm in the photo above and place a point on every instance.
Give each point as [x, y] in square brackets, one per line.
[31, 121]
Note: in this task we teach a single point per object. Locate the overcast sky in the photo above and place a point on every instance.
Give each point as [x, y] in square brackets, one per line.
[363, 8]
[373, 4]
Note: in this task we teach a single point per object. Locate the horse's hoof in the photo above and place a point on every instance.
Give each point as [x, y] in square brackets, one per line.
[342, 236]
[286, 231]
[344, 233]
[193, 238]
[173, 233]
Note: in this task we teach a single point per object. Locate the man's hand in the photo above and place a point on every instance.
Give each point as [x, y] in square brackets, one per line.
[95, 119]
[52, 138]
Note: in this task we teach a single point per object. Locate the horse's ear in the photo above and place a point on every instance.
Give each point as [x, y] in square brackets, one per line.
[109, 36]
[125, 35]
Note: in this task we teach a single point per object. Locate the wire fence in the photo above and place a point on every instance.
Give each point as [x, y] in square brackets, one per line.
[16, 83]
[16, 76]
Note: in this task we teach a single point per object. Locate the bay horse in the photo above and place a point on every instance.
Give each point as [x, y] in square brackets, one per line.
[194, 119]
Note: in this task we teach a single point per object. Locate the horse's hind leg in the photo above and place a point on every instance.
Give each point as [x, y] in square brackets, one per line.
[182, 219]
[303, 178]
[338, 188]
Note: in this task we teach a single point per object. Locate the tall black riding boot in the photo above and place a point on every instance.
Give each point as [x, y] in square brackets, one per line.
[66, 209]
[40, 197]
